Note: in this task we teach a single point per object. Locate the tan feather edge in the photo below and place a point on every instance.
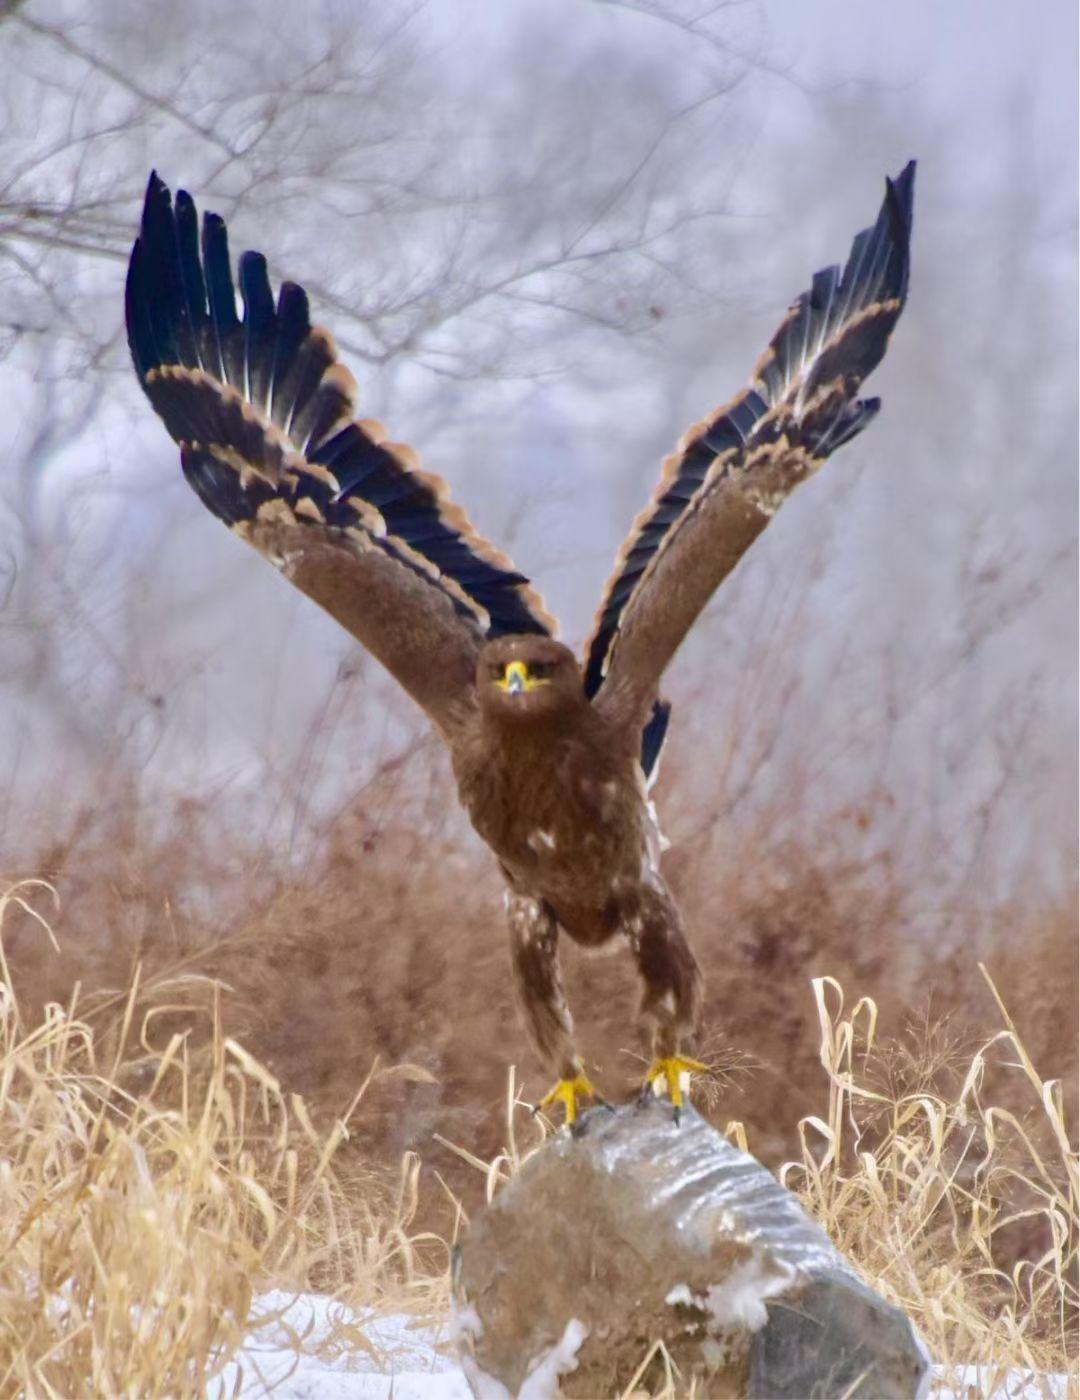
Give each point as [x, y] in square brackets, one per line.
[457, 518]
[369, 517]
[452, 514]
[670, 465]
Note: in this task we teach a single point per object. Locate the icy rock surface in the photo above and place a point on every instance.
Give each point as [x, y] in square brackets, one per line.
[636, 1230]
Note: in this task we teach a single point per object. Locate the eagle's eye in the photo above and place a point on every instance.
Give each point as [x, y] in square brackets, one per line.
[541, 670]
[497, 670]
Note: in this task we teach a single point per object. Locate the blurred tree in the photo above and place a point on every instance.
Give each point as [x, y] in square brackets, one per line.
[547, 240]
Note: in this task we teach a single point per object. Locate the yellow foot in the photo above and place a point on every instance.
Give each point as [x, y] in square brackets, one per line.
[567, 1092]
[673, 1074]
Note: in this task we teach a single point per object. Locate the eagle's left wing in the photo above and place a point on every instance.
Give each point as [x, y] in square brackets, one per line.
[263, 412]
[732, 472]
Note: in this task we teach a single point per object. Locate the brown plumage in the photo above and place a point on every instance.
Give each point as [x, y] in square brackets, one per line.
[551, 757]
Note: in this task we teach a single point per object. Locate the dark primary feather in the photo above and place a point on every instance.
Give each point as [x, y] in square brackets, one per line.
[832, 337]
[227, 332]
[653, 736]
[182, 317]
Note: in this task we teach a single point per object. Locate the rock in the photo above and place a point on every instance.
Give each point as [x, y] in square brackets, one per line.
[637, 1231]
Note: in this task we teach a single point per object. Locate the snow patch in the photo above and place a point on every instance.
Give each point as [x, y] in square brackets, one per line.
[391, 1357]
[961, 1382]
[307, 1346]
[739, 1302]
[681, 1294]
[465, 1324]
[542, 1382]
[484, 1387]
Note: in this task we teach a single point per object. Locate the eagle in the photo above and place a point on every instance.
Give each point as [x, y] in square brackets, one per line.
[553, 757]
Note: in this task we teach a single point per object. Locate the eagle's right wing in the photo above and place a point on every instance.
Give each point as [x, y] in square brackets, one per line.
[263, 413]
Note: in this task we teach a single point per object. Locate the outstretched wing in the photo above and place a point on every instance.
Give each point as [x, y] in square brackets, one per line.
[264, 416]
[731, 473]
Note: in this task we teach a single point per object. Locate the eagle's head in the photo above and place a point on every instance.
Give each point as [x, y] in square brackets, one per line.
[528, 677]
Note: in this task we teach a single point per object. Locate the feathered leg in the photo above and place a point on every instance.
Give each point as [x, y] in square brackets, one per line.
[671, 999]
[534, 937]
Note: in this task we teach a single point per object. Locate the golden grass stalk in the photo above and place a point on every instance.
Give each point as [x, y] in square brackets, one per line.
[928, 1189]
[146, 1192]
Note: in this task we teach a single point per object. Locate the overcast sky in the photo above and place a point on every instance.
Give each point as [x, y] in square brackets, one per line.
[960, 58]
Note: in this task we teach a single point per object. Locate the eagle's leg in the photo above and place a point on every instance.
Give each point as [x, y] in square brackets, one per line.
[534, 938]
[671, 1000]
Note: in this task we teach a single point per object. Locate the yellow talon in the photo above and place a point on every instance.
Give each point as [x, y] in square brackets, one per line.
[668, 1074]
[567, 1092]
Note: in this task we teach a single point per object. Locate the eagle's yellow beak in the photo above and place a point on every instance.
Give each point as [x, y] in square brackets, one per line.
[515, 678]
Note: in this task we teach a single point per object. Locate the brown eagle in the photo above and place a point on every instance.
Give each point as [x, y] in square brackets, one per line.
[552, 757]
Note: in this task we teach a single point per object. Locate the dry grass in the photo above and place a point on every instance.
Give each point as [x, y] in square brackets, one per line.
[183, 1143]
[922, 1177]
[391, 944]
[147, 1189]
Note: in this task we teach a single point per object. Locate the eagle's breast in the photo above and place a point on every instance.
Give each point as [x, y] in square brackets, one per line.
[564, 813]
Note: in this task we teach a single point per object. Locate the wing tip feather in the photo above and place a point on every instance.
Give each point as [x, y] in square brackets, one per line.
[164, 329]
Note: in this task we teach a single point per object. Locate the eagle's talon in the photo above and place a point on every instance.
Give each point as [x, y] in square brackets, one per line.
[567, 1092]
[672, 1073]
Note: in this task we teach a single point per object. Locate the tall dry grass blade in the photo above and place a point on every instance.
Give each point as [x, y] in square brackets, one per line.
[140, 1211]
